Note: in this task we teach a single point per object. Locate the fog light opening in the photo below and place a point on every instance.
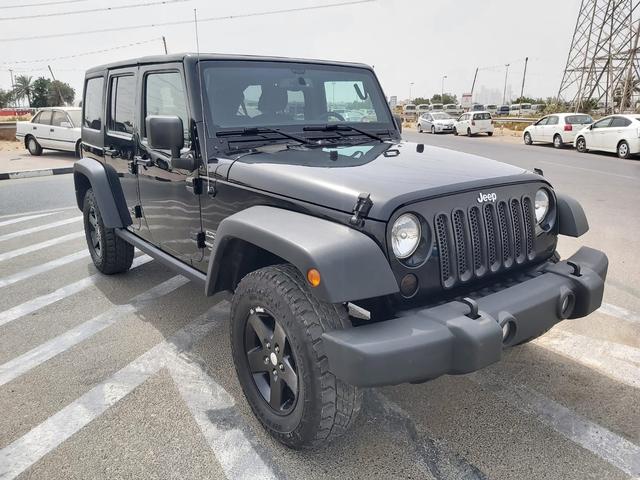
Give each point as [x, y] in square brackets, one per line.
[508, 331]
[567, 302]
[409, 285]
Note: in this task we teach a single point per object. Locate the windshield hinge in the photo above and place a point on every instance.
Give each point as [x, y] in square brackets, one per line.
[361, 209]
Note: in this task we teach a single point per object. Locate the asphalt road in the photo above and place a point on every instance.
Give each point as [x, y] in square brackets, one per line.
[130, 376]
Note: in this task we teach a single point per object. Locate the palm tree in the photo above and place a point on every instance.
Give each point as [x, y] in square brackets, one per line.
[24, 87]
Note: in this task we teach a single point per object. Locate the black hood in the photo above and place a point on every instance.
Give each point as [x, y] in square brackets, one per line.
[394, 174]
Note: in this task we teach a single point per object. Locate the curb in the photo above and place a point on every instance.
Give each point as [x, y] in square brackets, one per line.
[36, 173]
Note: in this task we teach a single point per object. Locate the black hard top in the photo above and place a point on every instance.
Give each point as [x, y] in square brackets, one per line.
[180, 57]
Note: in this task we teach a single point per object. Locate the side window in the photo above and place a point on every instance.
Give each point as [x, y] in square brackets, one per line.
[620, 122]
[165, 95]
[122, 103]
[36, 119]
[92, 104]
[45, 117]
[553, 120]
[58, 118]
[543, 121]
[605, 122]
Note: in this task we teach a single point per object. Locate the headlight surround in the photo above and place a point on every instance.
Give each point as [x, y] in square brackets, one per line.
[405, 235]
[542, 204]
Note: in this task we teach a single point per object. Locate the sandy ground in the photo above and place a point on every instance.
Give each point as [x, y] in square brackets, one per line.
[10, 145]
[15, 158]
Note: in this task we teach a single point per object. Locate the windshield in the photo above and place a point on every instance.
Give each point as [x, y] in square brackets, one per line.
[441, 116]
[75, 117]
[253, 94]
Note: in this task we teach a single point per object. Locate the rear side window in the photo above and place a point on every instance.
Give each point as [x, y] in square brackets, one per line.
[553, 120]
[578, 120]
[165, 95]
[92, 104]
[620, 122]
[121, 104]
[482, 116]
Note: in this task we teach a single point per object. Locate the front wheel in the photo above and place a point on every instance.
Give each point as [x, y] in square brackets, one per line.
[110, 253]
[34, 147]
[490, 134]
[455, 131]
[581, 145]
[433, 130]
[468, 132]
[623, 150]
[527, 138]
[278, 352]
[419, 128]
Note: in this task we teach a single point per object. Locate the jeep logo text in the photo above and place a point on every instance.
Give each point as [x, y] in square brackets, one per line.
[486, 197]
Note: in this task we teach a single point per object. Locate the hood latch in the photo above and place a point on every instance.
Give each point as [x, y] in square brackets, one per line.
[361, 209]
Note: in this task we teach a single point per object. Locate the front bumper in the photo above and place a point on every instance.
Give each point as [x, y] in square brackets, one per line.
[423, 344]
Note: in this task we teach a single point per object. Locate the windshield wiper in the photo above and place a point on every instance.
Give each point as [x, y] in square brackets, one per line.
[261, 130]
[339, 127]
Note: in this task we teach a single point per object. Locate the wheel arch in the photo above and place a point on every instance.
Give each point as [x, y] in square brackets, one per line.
[347, 259]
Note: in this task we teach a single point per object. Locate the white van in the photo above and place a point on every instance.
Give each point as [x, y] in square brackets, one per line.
[514, 110]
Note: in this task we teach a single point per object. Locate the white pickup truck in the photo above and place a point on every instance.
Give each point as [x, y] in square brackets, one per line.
[54, 128]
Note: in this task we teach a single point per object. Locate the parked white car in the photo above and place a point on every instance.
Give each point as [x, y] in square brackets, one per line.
[615, 133]
[435, 122]
[471, 123]
[559, 129]
[53, 128]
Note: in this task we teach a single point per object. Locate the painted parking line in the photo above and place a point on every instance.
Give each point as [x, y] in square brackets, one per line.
[202, 395]
[36, 212]
[44, 267]
[612, 448]
[39, 246]
[40, 354]
[42, 301]
[40, 228]
[619, 312]
[25, 219]
[617, 361]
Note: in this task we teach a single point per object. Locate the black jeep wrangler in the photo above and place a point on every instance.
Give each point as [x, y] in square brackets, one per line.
[355, 259]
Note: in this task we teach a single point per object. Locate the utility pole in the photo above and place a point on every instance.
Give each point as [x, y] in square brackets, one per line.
[13, 89]
[524, 75]
[442, 91]
[474, 83]
[410, 85]
[164, 43]
[57, 86]
[504, 92]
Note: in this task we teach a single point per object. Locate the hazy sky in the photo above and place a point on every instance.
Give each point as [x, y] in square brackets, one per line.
[406, 40]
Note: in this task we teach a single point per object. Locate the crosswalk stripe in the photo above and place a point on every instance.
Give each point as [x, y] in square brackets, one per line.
[53, 210]
[46, 226]
[40, 354]
[620, 362]
[44, 267]
[24, 219]
[40, 302]
[199, 391]
[612, 448]
[40, 246]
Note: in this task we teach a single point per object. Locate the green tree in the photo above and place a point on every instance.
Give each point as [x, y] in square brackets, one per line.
[420, 101]
[448, 98]
[6, 97]
[40, 96]
[59, 89]
[23, 87]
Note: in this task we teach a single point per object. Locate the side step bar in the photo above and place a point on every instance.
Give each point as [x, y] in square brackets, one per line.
[173, 263]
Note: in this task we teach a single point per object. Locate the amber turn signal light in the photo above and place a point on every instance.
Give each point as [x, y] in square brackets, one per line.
[313, 276]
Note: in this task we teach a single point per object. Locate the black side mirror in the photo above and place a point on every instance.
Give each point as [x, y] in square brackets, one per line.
[398, 120]
[166, 132]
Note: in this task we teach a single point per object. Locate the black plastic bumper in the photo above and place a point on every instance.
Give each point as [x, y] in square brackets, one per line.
[425, 343]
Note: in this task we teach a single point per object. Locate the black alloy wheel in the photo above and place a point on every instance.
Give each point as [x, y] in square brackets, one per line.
[94, 233]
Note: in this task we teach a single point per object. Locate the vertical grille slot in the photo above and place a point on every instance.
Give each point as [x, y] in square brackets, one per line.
[505, 240]
[442, 234]
[478, 241]
[529, 228]
[493, 237]
[517, 228]
[459, 234]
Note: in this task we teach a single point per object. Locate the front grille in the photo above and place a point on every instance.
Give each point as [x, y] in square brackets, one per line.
[484, 239]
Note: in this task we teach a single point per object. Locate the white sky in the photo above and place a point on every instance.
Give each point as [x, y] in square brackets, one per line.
[406, 40]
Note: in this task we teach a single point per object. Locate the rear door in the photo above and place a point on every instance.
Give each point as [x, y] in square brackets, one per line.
[41, 128]
[482, 122]
[617, 131]
[171, 210]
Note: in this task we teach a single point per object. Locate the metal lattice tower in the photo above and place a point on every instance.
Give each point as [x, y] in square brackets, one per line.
[603, 62]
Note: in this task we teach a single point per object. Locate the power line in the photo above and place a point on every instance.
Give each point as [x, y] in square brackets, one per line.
[184, 22]
[93, 10]
[82, 54]
[57, 2]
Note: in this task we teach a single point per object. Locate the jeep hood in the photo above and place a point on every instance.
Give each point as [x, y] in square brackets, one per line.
[394, 174]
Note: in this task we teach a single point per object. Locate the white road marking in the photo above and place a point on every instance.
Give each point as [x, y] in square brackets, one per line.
[40, 302]
[612, 448]
[620, 362]
[39, 246]
[54, 210]
[619, 312]
[40, 354]
[44, 267]
[201, 396]
[24, 219]
[592, 170]
[46, 226]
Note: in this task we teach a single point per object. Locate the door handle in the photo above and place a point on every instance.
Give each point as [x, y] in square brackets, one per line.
[35, 128]
[111, 152]
[51, 130]
[145, 162]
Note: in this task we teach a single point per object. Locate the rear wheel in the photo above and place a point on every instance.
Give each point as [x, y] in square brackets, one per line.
[527, 138]
[468, 132]
[419, 128]
[490, 134]
[557, 141]
[110, 253]
[276, 341]
[34, 147]
[433, 130]
[623, 150]
[455, 131]
[581, 145]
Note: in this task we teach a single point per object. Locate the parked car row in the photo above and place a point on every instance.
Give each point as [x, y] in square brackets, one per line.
[54, 128]
[470, 123]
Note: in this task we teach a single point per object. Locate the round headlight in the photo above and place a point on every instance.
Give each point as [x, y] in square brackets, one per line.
[405, 235]
[541, 205]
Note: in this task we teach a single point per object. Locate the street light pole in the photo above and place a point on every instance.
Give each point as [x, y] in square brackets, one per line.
[442, 91]
[504, 92]
[410, 85]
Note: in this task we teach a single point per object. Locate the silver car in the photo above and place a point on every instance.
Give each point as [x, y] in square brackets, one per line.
[438, 122]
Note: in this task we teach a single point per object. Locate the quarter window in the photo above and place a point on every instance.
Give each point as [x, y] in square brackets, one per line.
[92, 105]
[620, 122]
[121, 105]
[165, 95]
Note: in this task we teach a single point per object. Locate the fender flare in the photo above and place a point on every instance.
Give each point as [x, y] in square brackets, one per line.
[572, 220]
[351, 265]
[106, 187]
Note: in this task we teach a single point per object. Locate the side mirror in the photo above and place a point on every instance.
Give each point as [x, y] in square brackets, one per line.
[398, 120]
[165, 132]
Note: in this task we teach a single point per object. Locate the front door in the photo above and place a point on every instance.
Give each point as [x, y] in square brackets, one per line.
[171, 211]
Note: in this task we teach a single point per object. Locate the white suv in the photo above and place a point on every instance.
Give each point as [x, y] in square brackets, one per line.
[471, 123]
[559, 128]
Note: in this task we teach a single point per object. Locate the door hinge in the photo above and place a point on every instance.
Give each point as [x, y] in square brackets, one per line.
[361, 209]
[133, 168]
[137, 211]
[199, 238]
[194, 185]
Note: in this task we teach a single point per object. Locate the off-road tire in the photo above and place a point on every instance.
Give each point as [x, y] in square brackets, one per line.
[623, 150]
[527, 138]
[33, 146]
[114, 255]
[557, 141]
[326, 406]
